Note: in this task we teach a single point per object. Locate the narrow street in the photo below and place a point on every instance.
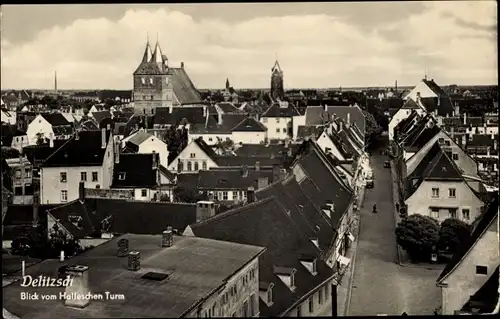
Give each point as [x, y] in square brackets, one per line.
[381, 285]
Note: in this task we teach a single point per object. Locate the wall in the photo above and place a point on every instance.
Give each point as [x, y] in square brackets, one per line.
[232, 194]
[210, 139]
[38, 125]
[249, 137]
[185, 157]
[422, 199]
[424, 90]
[274, 123]
[18, 142]
[155, 144]
[108, 165]
[399, 116]
[463, 281]
[320, 308]
[161, 92]
[296, 122]
[234, 305]
[325, 142]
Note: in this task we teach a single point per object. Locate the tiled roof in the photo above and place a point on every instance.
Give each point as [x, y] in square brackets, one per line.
[89, 125]
[486, 298]
[55, 119]
[309, 131]
[227, 107]
[238, 161]
[317, 115]
[435, 88]
[139, 137]
[189, 180]
[62, 130]
[101, 115]
[406, 123]
[112, 94]
[442, 105]
[489, 215]
[197, 268]
[249, 125]
[205, 148]
[8, 132]
[125, 216]
[340, 144]
[276, 111]
[193, 115]
[423, 138]
[23, 214]
[482, 140]
[84, 151]
[218, 179]
[410, 104]
[136, 171]
[311, 220]
[184, 89]
[263, 150]
[347, 143]
[166, 172]
[386, 104]
[286, 244]
[474, 121]
[416, 129]
[36, 154]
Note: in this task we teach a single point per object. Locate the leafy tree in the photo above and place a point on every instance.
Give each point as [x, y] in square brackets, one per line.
[224, 146]
[452, 233]
[40, 139]
[185, 194]
[176, 139]
[59, 240]
[10, 152]
[418, 235]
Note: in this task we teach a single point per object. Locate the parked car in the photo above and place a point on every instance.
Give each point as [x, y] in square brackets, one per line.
[387, 164]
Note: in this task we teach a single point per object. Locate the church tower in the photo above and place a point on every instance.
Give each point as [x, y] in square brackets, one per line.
[277, 90]
[152, 86]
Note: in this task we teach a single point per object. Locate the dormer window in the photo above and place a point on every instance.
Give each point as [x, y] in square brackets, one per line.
[151, 81]
[270, 294]
[143, 80]
[121, 176]
[310, 263]
[287, 276]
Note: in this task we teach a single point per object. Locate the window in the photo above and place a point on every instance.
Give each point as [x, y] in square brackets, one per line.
[278, 130]
[196, 166]
[292, 280]
[455, 157]
[224, 195]
[27, 173]
[144, 192]
[481, 270]
[453, 212]
[326, 291]
[245, 309]
[311, 305]
[121, 176]
[180, 166]
[277, 120]
[95, 177]
[299, 311]
[83, 176]
[466, 214]
[64, 196]
[441, 141]
[264, 119]
[253, 302]
[64, 177]
[447, 143]
[270, 295]
[152, 97]
[189, 168]
[143, 80]
[435, 213]
[320, 296]
[210, 139]
[18, 173]
[204, 165]
[192, 155]
[314, 266]
[435, 192]
[453, 192]
[284, 130]
[151, 80]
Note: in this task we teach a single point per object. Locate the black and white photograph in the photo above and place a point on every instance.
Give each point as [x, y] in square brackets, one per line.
[281, 159]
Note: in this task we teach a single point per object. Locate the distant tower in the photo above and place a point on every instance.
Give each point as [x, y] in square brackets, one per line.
[277, 89]
[152, 86]
[396, 86]
[55, 82]
[227, 84]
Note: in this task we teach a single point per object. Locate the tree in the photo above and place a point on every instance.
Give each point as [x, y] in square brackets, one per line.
[10, 152]
[176, 139]
[185, 194]
[40, 139]
[452, 233]
[60, 241]
[418, 235]
[224, 146]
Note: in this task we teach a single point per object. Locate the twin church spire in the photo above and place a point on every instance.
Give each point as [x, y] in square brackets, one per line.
[153, 56]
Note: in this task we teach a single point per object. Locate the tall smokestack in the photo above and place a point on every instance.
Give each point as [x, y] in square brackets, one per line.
[55, 82]
[396, 86]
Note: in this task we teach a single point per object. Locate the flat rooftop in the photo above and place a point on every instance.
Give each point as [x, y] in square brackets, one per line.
[195, 267]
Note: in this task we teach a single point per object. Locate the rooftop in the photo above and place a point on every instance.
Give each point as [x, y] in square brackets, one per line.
[195, 268]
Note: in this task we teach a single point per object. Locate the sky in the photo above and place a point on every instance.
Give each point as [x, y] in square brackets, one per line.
[318, 45]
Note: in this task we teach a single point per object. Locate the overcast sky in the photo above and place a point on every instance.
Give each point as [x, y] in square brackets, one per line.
[318, 45]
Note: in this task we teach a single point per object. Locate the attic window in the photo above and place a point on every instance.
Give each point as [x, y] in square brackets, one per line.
[121, 176]
[156, 276]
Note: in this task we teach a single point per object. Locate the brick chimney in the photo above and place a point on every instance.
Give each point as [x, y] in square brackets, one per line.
[262, 182]
[257, 166]
[36, 204]
[122, 247]
[495, 145]
[78, 286]
[251, 195]
[465, 118]
[488, 151]
[81, 191]
[205, 210]
[134, 261]
[103, 138]
[452, 132]
[348, 123]
[167, 238]
[117, 152]
[244, 171]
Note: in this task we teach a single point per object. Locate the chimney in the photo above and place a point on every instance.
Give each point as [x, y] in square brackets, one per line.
[257, 166]
[488, 151]
[276, 173]
[244, 171]
[348, 120]
[465, 118]
[51, 141]
[167, 238]
[134, 261]
[418, 97]
[117, 152]
[155, 163]
[492, 136]
[182, 65]
[78, 286]
[81, 191]
[77, 135]
[103, 138]
[452, 132]
[205, 110]
[457, 109]
[287, 143]
[262, 182]
[341, 126]
[61, 256]
[170, 109]
[250, 195]
[219, 117]
[122, 247]
[205, 209]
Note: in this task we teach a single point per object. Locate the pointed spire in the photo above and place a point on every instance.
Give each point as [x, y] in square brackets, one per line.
[147, 52]
[227, 83]
[157, 55]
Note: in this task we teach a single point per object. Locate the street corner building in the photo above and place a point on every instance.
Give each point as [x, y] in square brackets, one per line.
[157, 276]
